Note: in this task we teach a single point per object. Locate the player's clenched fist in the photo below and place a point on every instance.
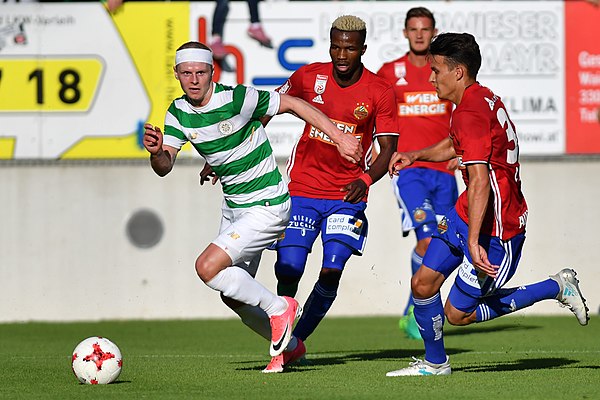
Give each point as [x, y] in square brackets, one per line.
[153, 138]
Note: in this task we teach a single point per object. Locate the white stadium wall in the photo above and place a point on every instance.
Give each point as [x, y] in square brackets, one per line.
[65, 253]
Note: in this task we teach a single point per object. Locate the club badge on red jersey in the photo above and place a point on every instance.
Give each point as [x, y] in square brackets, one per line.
[400, 72]
[320, 85]
[361, 111]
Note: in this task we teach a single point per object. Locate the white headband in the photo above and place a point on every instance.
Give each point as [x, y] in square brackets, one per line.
[193, 55]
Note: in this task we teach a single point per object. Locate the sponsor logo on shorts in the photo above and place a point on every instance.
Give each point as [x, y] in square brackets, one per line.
[301, 222]
[342, 224]
[442, 226]
[468, 274]
[234, 235]
[419, 215]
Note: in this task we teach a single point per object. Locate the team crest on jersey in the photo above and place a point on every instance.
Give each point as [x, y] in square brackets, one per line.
[442, 226]
[193, 135]
[419, 215]
[400, 72]
[361, 111]
[225, 127]
[320, 83]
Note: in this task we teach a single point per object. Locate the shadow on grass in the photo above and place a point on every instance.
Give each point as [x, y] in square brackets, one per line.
[343, 357]
[472, 329]
[519, 365]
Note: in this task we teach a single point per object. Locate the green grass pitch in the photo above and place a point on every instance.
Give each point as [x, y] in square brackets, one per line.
[522, 357]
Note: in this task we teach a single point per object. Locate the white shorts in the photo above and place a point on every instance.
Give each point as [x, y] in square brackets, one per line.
[246, 232]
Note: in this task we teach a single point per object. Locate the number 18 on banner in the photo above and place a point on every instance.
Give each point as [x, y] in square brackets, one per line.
[49, 84]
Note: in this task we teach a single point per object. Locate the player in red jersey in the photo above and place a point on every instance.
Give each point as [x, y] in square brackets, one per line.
[425, 191]
[329, 194]
[483, 235]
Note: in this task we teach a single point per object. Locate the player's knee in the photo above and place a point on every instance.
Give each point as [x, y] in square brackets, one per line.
[421, 287]
[290, 264]
[204, 269]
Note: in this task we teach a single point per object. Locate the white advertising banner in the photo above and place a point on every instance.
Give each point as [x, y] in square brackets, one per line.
[77, 82]
[522, 45]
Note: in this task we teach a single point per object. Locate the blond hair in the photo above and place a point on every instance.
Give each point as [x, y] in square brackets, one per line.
[349, 23]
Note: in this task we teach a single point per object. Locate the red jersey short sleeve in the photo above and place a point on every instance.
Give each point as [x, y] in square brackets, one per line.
[482, 132]
[365, 110]
[423, 118]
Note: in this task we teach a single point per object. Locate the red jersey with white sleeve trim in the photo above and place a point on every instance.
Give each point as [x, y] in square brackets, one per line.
[365, 109]
[424, 119]
[482, 132]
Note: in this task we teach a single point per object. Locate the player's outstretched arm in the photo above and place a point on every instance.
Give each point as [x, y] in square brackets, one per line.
[399, 161]
[348, 146]
[162, 157]
[441, 151]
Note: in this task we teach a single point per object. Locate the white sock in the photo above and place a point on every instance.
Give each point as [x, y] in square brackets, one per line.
[237, 284]
[256, 319]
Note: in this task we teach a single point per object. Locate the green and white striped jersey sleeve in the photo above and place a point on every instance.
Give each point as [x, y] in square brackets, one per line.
[228, 134]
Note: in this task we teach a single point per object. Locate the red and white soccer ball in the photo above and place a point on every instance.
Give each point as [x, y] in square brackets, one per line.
[97, 361]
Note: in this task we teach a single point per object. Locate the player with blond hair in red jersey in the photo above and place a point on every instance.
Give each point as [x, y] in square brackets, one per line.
[329, 194]
[425, 191]
[483, 235]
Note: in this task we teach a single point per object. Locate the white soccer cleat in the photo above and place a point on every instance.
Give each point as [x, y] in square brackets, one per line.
[570, 295]
[282, 325]
[422, 368]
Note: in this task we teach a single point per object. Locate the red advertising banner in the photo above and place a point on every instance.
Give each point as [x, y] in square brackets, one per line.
[582, 59]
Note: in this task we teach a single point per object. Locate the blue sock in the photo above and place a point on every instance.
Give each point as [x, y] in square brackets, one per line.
[506, 301]
[415, 263]
[429, 314]
[318, 303]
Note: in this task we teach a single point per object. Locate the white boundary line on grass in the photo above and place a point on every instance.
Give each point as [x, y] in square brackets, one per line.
[328, 355]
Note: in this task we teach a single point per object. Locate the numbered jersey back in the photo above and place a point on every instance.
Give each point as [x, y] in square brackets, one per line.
[483, 133]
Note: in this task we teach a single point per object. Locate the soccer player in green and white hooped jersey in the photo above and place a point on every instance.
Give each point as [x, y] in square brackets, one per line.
[223, 124]
[210, 131]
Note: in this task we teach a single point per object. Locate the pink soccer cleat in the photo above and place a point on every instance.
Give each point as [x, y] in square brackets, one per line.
[281, 326]
[286, 358]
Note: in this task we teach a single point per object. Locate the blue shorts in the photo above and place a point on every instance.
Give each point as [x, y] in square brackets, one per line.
[448, 251]
[333, 219]
[424, 196]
